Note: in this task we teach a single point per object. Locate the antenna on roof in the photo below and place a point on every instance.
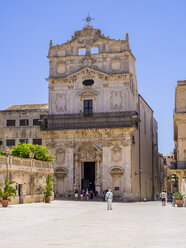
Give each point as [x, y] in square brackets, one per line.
[88, 19]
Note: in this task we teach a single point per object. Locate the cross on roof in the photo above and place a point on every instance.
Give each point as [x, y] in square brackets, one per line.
[88, 19]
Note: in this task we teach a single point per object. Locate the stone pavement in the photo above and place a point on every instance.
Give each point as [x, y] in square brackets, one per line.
[89, 224]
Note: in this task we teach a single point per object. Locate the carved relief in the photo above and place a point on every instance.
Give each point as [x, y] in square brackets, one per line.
[61, 103]
[116, 154]
[62, 52]
[87, 153]
[116, 64]
[116, 171]
[116, 100]
[60, 156]
[61, 68]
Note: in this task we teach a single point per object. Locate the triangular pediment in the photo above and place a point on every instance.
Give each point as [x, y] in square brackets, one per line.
[88, 72]
[86, 93]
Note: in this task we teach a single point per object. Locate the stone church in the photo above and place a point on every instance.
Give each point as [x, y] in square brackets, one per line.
[101, 130]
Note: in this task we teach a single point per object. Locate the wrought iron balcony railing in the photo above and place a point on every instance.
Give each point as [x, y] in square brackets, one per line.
[95, 120]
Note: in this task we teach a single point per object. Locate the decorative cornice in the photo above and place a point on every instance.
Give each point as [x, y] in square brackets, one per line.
[89, 73]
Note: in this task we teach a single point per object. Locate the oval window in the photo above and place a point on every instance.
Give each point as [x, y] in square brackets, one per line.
[88, 82]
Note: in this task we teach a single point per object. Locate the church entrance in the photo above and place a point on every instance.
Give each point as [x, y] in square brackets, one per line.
[88, 176]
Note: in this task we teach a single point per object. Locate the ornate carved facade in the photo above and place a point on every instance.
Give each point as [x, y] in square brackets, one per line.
[101, 130]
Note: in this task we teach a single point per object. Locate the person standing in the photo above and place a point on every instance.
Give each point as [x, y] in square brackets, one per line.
[163, 196]
[157, 196]
[76, 194]
[87, 194]
[109, 199]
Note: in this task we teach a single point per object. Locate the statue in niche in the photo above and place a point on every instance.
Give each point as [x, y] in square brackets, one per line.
[116, 100]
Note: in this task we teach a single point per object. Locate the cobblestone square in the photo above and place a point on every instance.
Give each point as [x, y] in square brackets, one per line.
[89, 224]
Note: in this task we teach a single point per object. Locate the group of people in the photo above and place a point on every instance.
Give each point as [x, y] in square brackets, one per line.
[85, 194]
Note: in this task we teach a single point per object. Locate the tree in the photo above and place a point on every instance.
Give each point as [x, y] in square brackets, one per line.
[23, 150]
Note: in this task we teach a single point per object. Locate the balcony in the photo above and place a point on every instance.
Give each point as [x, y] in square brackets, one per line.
[96, 120]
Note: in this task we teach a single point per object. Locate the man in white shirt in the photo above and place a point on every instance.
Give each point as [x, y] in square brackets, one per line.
[109, 198]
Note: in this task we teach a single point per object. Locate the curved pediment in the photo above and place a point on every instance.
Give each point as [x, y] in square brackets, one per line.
[60, 172]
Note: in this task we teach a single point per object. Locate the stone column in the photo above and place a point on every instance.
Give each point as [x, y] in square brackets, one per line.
[127, 194]
[98, 176]
[76, 184]
[70, 165]
[105, 165]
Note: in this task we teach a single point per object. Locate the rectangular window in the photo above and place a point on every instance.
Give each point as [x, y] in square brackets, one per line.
[88, 107]
[37, 142]
[24, 122]
[36, 122]
[145, 123]
[10, 123]
[10, 142]
[23, 141]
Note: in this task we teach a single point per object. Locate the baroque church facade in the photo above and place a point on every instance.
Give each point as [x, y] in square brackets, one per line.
[101, 130]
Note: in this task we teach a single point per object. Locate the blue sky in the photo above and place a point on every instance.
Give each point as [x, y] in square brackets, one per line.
[157, 35]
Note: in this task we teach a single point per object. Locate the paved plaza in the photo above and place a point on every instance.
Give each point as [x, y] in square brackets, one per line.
[89, 224]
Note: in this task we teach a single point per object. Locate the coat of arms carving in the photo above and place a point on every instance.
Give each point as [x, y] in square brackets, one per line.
[116, 154]
[60, 156]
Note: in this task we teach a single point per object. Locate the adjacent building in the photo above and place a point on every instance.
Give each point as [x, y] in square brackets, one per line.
[101, 130]
[180, 135]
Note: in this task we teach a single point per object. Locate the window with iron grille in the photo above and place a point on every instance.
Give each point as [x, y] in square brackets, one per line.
[88, 107]
[36, 122]
[23, 141]
[24, 122]
[10, 142]
[37, 142]
[10, 123]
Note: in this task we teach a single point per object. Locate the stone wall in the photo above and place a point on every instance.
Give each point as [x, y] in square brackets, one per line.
[180, 124]
[29, 175]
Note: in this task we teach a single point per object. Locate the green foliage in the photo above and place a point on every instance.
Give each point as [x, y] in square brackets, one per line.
[23, 150]
[8, 191]
[1, 151]
[178, 196]
[48, 189]
[171, 178]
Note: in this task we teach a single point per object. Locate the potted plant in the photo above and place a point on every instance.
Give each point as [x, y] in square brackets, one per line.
[179, 198]
[48, 189]
[7, 192]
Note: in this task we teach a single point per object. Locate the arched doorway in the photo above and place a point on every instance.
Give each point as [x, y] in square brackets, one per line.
[59, 188]
[87, 167]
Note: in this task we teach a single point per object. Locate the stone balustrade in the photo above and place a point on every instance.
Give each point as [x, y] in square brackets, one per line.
[29, 175]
